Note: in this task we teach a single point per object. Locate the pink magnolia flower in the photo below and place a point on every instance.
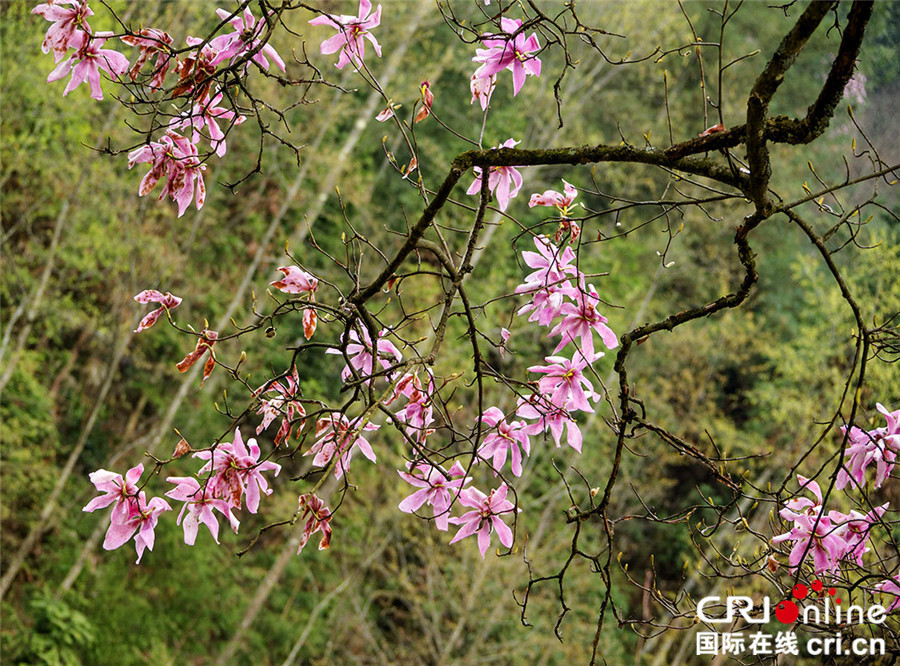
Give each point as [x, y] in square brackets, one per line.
[552, 198]
[85, 65]
[427, 102]
[150, 41]
[118, 491]
[166, 302]
[418, 413]
[142, 519]
[549, 283]
[549, 417]
[195, 70]
[877, 446]
[199, 504]
[504, 182]
[509, 52]
[285, 403]
[803, 506]
[205, 342]
[504, 339]
[855, 528]
[437, 488]
[337, 436]
[482, 88]
[244, 39]
[890, 587]
[237, 472]
[506, 438]
[360, 354]
[69, 25]
[564, 384]
[351, 31]
[486, 518]
[296, 281]
[580, 321]
[207, 114]
[318, 519]
[174, 157]
[815, 534]
[387, 113]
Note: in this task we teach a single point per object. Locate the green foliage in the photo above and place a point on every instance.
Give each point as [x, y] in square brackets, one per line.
[60, 635]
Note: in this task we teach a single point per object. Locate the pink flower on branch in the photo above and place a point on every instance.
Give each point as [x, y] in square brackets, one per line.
[437, 488]
[207, 114]
[352, 30]
[511, 50]
[418, 414]
[427, 101]
[237, 472]
[85, 65]
[141, 518]
[69, 25]
[816, 535]
[205, 343]
[166, 302]
[504, 182]
[855, 529]
[285, 403]
[803, 506]
[553, 198]
[387, 113]
[199, 504]
[504, 439]
[117, 491]
[580, 321]
[878, 447]
[196, 70]
[361, 358]
[564, 384]
[549, 283]
[482, 89]
[813, 531]
[150, 41]
[486, 518]
[549, 417]
[244, 39]
[318, 519]
[176, 158]
[296, 281]
[890, 587]
[337, 436]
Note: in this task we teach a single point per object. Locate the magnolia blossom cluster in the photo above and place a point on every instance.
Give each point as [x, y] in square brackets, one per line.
[831, 538]
[174, 157]
[231, 477]
[562, 390]
[559, 298]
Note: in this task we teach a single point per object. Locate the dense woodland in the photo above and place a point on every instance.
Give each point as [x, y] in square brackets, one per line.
[755, 384]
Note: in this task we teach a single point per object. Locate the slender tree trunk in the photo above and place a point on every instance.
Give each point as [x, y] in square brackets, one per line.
[36, 299]
[38, 528]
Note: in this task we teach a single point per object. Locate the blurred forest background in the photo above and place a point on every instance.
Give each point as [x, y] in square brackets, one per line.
[81, 392]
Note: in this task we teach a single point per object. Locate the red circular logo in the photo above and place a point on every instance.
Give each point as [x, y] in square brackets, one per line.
[786, 612]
